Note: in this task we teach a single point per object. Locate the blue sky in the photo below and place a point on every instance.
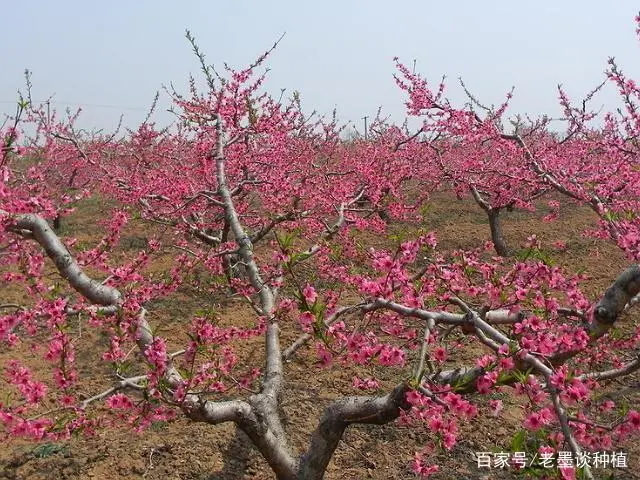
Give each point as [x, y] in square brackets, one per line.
[111, 57]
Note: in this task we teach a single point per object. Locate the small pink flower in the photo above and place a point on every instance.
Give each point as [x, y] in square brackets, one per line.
[607, 406]
[559, 245]
[533, 422]
[325, 357]
[496, 407]
[365, 383]
[568, 473]
[306, 319]
[309, 294]
[421, 468]
[633, 417]
[440, 354]
[119, 401]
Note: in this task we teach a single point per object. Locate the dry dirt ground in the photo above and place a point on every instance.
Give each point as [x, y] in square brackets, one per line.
[184, 450]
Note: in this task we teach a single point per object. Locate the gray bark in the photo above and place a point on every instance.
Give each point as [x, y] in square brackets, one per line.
[618, 295]
[497, 237]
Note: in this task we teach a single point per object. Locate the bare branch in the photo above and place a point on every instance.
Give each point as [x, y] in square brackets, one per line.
[132, 382]
[626, 369]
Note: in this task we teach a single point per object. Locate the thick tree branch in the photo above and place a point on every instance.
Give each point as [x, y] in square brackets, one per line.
[268, 432]
[338, 416]
[621, 293]
[37, 228]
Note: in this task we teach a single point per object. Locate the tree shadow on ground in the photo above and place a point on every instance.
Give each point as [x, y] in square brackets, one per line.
[236, 458]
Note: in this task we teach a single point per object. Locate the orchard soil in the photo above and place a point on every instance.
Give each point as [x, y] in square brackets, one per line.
[194, 451]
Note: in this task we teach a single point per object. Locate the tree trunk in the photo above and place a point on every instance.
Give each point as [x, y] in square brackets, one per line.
[497, 237]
